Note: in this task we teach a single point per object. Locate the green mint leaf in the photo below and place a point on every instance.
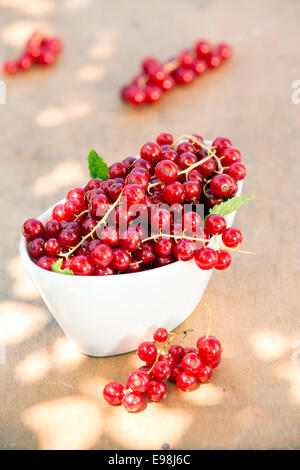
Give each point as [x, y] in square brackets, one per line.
[56, 268]
[230, 205]
[97, 166]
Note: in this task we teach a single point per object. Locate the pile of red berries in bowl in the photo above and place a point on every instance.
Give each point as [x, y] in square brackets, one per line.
[156, 77]
[39, 49]
[187, 367]
[144, 212]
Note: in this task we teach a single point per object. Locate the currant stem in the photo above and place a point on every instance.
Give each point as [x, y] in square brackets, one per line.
[90, 234]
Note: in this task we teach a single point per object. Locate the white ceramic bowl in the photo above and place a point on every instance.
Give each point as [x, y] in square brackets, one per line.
[108, 315]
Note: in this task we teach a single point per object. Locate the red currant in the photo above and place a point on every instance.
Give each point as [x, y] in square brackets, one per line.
[184, 250]
[102, 255]
[176, 351]
[205, 373]
[160, 335]
[237, 171]
[32, 228]
[191, 363]
[133, 402]
[138, 380]
[206, 258]
[52, 246]
[232, 237]
[36, 248]
[186, 381]
[113, 393]
[215, 224]
[224, 260]
[81, 266]
[121, 259]
[222, 185]
[173, 192]
[166, 171]
[209, 349]
[147, 351]
[164, 139]
[156, 390]
[46, 262]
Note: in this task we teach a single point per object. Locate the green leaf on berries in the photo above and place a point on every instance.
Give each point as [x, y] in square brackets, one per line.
[56, 268]
[231, 205]
[97, 166]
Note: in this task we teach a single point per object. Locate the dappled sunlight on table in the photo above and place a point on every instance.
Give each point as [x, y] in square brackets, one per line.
[22, 288]
[65, 173]
[56, 116]
[33, 367]
[65, 353]
[268, 344]
[291, 373]
[19, 321]
[15, 34]
[104, 45]
[68, 423]
[90, 73]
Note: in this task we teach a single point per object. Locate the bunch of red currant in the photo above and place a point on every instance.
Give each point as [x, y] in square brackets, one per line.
[187, 367]
[157, 78]
[145, 215]
[39, 49]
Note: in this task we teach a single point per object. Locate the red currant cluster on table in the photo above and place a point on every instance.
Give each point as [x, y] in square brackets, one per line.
[157, 77]
[187, 367]
[39, 49]
[94, 232]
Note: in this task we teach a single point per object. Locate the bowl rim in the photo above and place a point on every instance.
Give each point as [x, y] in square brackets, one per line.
[26, 258]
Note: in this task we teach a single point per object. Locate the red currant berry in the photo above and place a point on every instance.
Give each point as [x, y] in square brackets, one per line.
[133, 194]
[133, 402]
[141, 163]
[199, 66]
[231, 155]
[52, 246]
[139, 176]
[161, 370]
[184, 147]
[157, 74]
[192, 190]
[206, 258]
[81, 266]
[25, 62]
[54, 44]
[153, 93]
[232, 237]
[173, 193]
[184, 250]
[156, 390]
[207, 168]
[177, 352]
[195, 175]
[138, 380]
[175, 371]
[160, 335]
[222, 185]
[113, 393]
[10, 67]
[204, 373]
[168, 83]
[46, 262]
[68, 238]
[224, 260]
[203, 49]
[183, 75]
[130, 240]
[72, 207]
[209, 349]
[149, 62]
[169, 155]
[161, 219]
[186, 159]
[213, 61]
[186, 381]
[128, 162]
[164, 139]
[146, 253]
[52, 229]
[36, 248]
[237, 171]
[215, 224]
[163, 247]
[191, 363]
[76, 193]
[166, 171]
[46, 57]
[58, 212]
[94, 183]
[104, 271]
[151, 152]
[191, 223]
[121, 259]
[102, 255]
[32, 228]
[147, 351]
[224, 51]
[117, 170]
[221, 143]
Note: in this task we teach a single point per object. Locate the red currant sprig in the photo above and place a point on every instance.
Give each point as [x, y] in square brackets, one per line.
[187, 367]
[156, 77]
[39, 49]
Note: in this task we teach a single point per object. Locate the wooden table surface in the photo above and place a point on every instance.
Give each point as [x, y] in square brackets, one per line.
[50, 395]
